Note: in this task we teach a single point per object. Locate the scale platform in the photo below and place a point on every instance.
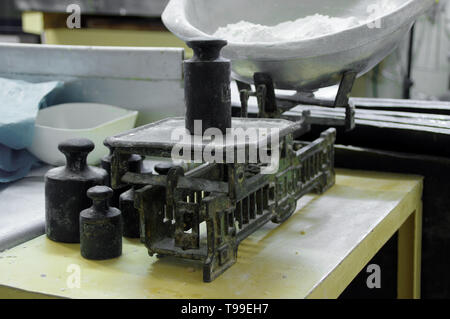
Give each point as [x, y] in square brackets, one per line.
[161, 137]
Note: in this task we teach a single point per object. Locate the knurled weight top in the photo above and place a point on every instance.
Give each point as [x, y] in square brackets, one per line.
[65, 190]
[101, 227]
[76, 152]
[163, 168]
[100, 196]
[207, 49]
[207, 78]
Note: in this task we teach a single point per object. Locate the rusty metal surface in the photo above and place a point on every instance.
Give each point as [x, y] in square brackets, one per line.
[204, 213]
[158, 135]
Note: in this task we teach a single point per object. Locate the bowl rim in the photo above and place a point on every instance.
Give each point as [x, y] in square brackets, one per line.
[128, 114]
[175, 20]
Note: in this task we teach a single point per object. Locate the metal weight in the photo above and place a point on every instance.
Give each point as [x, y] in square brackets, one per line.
[163, 168]
[130, 215]
[65, 191]
[209, 73]
[135, 165]
[101, 227]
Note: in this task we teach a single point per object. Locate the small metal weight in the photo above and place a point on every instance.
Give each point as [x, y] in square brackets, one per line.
[65, 191]
[101, 227]
[135, 165]
[131, 222]
[163, 168]
[130, 215]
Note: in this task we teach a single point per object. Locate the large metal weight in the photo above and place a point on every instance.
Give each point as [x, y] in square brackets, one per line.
[65, 191]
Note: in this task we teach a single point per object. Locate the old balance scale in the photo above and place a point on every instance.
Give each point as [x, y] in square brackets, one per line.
[205, 212]
[233, 198]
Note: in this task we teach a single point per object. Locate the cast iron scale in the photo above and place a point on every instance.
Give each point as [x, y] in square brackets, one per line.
[203, 214]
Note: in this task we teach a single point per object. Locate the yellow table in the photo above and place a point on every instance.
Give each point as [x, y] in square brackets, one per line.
[315, 254]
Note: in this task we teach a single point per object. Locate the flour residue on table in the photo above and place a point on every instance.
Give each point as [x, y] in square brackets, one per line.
[301, 29]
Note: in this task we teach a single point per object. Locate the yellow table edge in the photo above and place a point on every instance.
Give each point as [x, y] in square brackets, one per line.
[405, 218]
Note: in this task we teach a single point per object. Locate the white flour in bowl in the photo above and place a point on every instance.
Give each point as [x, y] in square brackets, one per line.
[304, 28]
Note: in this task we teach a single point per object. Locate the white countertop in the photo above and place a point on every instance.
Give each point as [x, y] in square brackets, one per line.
[22, 216]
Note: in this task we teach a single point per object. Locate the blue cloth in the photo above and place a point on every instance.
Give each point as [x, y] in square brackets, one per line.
[19, 104]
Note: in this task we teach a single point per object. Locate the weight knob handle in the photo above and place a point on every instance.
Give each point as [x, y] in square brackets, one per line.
[76, 152]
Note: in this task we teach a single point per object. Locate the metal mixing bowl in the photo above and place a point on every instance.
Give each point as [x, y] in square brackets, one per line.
[300, 65]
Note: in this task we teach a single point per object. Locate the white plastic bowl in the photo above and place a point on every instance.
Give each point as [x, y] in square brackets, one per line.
[75, 120]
